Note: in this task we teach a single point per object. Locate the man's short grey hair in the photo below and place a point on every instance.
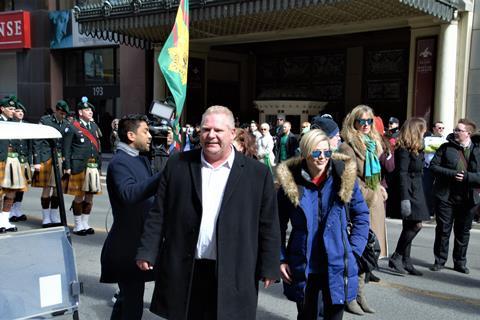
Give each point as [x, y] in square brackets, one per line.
[220, 110]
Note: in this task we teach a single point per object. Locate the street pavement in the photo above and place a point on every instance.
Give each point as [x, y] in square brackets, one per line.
[436, 295]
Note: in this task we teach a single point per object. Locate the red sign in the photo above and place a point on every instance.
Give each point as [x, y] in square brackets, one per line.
[15, 30]
[425, 60]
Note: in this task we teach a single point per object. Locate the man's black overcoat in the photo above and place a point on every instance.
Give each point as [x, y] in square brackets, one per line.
[248, 236]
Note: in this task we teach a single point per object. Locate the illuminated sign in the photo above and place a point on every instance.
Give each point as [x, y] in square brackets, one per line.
[15, 30]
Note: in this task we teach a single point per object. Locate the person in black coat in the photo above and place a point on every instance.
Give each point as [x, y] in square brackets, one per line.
[286, 144]
[456, 170]
[213, 232]
[409, 158]
[131, 189]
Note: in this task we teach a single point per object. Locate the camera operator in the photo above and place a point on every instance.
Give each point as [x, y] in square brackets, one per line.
[163, 145]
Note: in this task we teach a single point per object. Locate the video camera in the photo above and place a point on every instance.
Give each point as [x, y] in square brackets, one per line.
[159, 126]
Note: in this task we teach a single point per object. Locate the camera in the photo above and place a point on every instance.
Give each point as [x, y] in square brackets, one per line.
[159, 126]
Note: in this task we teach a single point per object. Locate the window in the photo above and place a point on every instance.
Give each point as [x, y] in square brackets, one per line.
[91, 67]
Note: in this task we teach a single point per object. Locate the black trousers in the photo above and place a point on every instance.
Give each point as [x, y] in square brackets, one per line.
[457, 215]
[129, 304]
[203, 295]
[317, 301]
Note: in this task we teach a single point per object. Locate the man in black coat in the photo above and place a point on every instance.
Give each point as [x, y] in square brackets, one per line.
[456, 168]
[131, 189]
[213, 232]
[286, 144]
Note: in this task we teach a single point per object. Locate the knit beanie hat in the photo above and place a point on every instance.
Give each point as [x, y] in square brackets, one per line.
[327, 125]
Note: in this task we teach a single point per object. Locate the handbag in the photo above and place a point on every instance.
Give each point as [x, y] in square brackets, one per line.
[368, 261]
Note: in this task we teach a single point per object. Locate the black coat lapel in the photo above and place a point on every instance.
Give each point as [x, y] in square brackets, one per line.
[233, 178]
[196, 172]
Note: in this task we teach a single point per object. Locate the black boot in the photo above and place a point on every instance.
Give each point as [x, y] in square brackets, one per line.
[396, 263]
[407, 262]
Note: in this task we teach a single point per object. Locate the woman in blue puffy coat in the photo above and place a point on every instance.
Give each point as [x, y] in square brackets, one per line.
[318, 265]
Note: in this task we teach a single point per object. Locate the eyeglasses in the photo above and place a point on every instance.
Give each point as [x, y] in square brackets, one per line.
[364, 122]
[318, 153]
[459, 130]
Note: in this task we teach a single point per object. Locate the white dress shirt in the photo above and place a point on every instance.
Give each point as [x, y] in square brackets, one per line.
[214, 181]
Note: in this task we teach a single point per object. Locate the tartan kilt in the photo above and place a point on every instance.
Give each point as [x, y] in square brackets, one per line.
[2, 175]
[18, 176]
[73, 184]
[45, 177]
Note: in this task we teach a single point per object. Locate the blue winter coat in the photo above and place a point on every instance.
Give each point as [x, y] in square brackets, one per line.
[298, 203]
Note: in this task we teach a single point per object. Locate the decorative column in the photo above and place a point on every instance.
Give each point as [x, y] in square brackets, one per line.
[446, 83]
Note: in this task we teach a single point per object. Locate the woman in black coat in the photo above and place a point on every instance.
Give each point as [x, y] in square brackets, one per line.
[409, 159]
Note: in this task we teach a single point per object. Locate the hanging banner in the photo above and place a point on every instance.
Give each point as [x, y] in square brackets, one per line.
[15, 30]
[424, 89]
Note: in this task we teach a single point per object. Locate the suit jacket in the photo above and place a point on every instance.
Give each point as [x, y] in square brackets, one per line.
[131, 189]
[78, 148]
[41, 147]
[248, 236]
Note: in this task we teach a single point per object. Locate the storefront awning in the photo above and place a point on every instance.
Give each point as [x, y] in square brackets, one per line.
[142, 22]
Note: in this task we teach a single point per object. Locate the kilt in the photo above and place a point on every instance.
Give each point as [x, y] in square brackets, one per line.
[45, 177]
[27, 172]
[2, 175]
[74, 184]
[18, 176]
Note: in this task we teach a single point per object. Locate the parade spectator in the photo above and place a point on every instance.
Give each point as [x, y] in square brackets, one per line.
[265, 146]
[409, 159]
[44, 176]
[213, 232]
[114, 140]
[363, 143]
[81, 146]
[319, 261]
[431, 143]
[131, 189]
[287, 144]
[253, 129]
[24, 149]
[393, 130]
[456, 170]
[279, 127]
[330, 128]
[245, 143]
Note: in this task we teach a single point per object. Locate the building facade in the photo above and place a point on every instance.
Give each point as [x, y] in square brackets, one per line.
[262, 57]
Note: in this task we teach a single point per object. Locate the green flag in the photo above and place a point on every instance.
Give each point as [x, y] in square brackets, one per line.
[173, 60]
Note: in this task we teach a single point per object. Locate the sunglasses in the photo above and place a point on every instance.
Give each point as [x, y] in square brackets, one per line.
[364, 122]
[264, 129]
[318, 153]
[440, 128]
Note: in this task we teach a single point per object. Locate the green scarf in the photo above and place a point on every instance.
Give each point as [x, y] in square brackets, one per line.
[372, 164]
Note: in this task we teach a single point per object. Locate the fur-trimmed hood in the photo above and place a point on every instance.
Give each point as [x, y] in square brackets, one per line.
[347, 174]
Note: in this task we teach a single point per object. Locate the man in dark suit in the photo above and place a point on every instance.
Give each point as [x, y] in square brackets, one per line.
[456, 168]
[81, 145]
[131, 189]
[286, 143]
[43, 176]
[213, 232]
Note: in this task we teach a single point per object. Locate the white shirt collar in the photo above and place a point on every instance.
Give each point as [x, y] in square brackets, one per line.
[228, 163]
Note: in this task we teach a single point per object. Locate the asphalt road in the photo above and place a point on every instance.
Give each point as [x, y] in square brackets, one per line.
[436, 295]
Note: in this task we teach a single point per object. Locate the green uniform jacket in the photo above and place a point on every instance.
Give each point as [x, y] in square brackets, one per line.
[78, 148]
[24, 148]
[41, 147]
[4, 144]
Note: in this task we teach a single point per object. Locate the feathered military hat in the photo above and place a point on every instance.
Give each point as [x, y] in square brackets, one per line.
[9, 101]
[63, 106]
[84, 104]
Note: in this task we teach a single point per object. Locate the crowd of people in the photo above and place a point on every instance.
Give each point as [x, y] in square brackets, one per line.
[212, 221]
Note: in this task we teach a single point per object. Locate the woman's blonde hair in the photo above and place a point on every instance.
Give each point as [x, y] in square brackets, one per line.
[351, 135]
[411, 135]
[310, 140]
